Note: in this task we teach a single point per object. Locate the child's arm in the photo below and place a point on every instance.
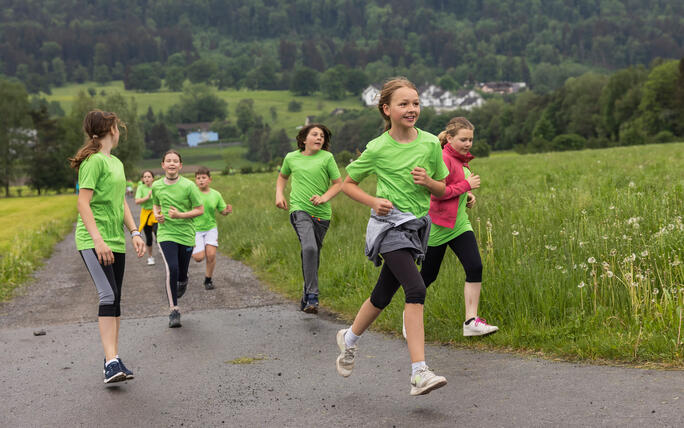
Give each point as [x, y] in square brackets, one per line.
[455, 190]
[137, 241]
[156, 209]
[104, 253]
[143, 199]
[351, 188]
[331, 193]
[227, 210]
[194, 212]
[435, 187]
[281, 182]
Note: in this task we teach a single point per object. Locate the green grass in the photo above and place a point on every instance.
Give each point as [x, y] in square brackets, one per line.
[212, 156]
[582, 254]
[30, 227]
[263, 101]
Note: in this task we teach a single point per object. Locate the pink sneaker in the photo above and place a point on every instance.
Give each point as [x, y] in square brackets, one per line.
[479, 327]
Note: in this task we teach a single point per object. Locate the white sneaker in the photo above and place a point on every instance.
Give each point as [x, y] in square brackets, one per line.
[403, 324]
[150, 261]
[479, 327]
[345, 361]
[425, 381]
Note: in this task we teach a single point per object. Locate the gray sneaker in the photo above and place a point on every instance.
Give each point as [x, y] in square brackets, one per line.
[345, 361]
[425, 381]
[174, 319]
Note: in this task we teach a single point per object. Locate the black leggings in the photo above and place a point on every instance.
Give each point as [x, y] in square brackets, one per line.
[149, 231]
[465, 248]
[108, 281]
[399, 269]
[177, 259]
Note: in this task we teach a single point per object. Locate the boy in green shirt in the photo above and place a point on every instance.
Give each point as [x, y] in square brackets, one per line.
[206, 231]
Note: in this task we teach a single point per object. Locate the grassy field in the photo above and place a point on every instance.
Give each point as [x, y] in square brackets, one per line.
[212, 156]
[31, 227]
[582, 254]
[263, 101]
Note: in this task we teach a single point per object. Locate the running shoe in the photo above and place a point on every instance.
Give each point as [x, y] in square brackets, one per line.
[302, 303]
[345, 361]
[174, 319]
[150, 261]
[113, 372]
[478, 327]
[129, 374]
[182, 286]
[425, 381]
[208, 284]
[311, 306]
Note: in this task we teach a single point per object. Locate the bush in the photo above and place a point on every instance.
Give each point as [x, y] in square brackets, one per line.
[663, 137]
[344, 157]
[565, 142]
[631, 135]
[481, 149]
[293, 106]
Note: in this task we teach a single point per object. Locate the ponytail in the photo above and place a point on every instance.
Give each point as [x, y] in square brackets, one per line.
[96, 125]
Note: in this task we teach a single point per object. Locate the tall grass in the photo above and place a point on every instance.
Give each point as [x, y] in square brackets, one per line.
[582, 254]
[30, 226]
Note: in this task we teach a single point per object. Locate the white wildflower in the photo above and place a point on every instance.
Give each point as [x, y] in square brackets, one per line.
[612, 207]
[644, 253]
[613, 252]
[581, 284]
[591, 260]
[609, 274]
[632, 184]
[515, 233]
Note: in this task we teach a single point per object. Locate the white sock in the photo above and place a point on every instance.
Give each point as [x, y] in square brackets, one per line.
[110, 361]
[350, 338]
[416, 366]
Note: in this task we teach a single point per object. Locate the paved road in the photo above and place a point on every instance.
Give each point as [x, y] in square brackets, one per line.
[247, 357]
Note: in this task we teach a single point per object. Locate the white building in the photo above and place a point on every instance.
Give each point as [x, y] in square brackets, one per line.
[433, 96]
[370, 95]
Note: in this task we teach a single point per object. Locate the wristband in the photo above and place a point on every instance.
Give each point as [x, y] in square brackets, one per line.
[135, 233]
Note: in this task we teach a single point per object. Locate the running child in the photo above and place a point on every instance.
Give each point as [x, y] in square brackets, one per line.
[312, 168]
[409, 168]
[176, 201]
[148, 224]
[100, 238]
[451, 226]
[206, 230]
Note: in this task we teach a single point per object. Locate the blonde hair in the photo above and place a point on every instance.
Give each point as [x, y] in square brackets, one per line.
[452, 128]
[96, 125]
[386, 93]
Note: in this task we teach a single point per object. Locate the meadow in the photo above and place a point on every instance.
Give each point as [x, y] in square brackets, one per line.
[213, 156]
[31, 227]
[582, 254]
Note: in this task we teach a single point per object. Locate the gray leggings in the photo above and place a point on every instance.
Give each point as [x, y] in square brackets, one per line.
[310, 231]
[108, 281]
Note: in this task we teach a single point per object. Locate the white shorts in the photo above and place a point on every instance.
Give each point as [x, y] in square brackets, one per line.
[202, 239]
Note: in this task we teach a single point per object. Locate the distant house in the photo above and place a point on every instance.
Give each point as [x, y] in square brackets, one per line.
[370, 95]
[195, 138]
[502, 88]
[433, 96]
[195, 133]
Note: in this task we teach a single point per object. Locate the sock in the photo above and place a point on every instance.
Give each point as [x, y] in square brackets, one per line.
[416, 366]
[469, 321]
[207, 279]
[350, 338]
[110, 361]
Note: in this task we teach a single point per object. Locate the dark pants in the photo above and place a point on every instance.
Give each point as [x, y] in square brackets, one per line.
[177, 259]
[108, 281]
[149, 232]
[465, 248]
[310, 231]
[398, 269]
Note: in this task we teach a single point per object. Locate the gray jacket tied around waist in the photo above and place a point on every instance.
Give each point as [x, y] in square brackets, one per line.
[395, 231]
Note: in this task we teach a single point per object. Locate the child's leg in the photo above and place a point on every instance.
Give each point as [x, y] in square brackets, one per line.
[310, 233]
[465, 247]
[169, 251]
[211, 260]
[148, 239]
[432, 264]
[198, 252]
[184, 256]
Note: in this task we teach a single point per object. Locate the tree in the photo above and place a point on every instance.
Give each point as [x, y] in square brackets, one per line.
[47, 165]
[198, 103]
[101, 74]
[15, 130]
[158, 139]
[143, 77]
[304, 81]
[356, 81]
[131, 142]
[202, 70]
[279, 144]
[332, 83]
[287, 53]
[658, 108]
[175, 76]
[246, 117]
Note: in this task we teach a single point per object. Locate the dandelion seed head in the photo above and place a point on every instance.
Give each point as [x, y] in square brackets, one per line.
[644, 253]
[632, 184]
[559, 267]
[515, 233]
[591, 260]
[613, 252]
[581, 284]
[612, 207]
[604, 237]
[656, 291]
[609, 274]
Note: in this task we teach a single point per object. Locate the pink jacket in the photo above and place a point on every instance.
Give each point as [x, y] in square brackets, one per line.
[443, 210]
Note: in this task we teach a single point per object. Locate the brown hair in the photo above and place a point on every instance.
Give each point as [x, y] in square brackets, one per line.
[203, 170]
[452, 128]
[147, 170]
[172, 152]
[386, 93]
[96, 125]
[304, 132]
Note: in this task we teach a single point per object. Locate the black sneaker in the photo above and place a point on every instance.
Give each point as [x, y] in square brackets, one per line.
[208, 284]
[129, 374]
[311, 304]
[174, 319]
[302, 303]
[182, 286]
[113, 372]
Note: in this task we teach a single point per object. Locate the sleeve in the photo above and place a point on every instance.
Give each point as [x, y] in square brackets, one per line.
[220, 203]
[139, 192]
[285, 168]
[362, 167]
[195, 197]
[89, 173]
[155, 195]
[333, 170]
[441, 170]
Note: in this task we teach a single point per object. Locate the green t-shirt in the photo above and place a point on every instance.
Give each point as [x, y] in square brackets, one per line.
[213, 202]
[142, 192]
[105, 176]
[392, 162]
[311, 175]
[440, 234]
[184, 196]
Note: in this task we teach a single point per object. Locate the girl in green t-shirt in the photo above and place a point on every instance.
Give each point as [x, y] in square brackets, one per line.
[176, 201]
[100, 239]
[312, 168]
[409, 168]
[148, 224]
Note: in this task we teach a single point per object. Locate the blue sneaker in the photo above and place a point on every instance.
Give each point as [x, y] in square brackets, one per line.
[311, 304]
[113, 372]
[129, 374]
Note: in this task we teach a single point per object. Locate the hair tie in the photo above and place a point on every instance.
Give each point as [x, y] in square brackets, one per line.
[94, 136]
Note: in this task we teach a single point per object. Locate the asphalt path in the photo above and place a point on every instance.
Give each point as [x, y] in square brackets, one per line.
[247, 357]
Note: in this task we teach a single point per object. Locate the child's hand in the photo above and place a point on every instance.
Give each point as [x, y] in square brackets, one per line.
[420, 176]
[474, 181]
[227, 210]
[317, 200]
[149, 195]
[159, 217]
[382, 206]
[174, 213]
[471, 200]
[138, 245]
[104, 253]
[281, 202]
